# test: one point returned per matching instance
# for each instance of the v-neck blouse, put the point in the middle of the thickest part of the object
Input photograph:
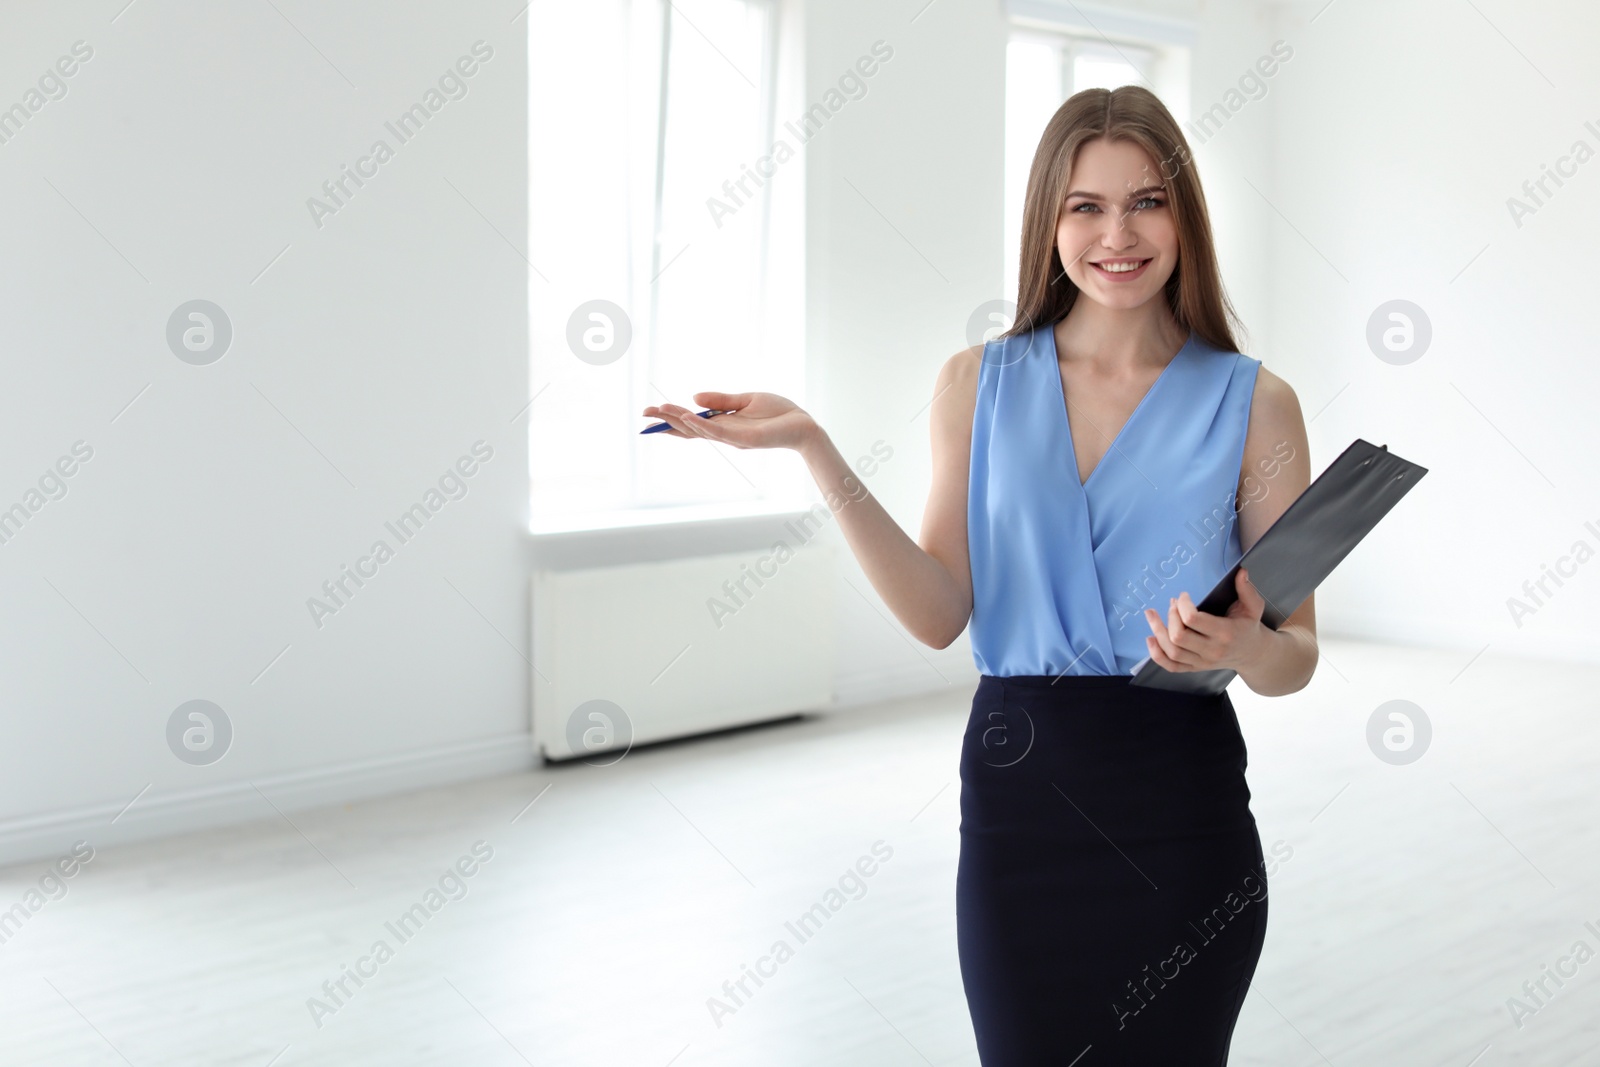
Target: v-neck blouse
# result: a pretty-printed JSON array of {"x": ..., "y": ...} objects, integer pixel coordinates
[{"x": 1061, "y": 570}]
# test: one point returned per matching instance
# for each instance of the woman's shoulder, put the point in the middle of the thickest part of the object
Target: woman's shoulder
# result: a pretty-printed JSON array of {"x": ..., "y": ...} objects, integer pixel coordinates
[
  {"x": 962, "y": 368},
  {"x": 1274, "y": 395},
  {"x": 955, "y": 392},
  {"x": 1245, "y": 372},
  {"x": 1275, "y": 413},
  {"x": 1220, "y": 352},
  {"x": 1270, "y": 395}
]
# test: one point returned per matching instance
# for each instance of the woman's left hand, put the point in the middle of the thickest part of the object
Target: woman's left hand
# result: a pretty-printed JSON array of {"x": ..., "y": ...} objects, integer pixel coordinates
[{"x": 1194, "y": 640}]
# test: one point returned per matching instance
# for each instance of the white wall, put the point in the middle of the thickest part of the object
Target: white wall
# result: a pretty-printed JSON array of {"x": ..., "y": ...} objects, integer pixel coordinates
[
  {"x": 1400, "y": 131},
  {"x": 370, "y": 356}
]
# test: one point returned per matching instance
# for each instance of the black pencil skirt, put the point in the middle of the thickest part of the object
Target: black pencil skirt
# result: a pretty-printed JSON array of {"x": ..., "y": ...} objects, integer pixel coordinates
[{"x": 1111, "y": 895}]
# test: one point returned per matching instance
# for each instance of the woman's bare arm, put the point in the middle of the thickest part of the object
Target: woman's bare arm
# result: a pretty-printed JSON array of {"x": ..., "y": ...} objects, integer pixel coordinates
[
  {"x": 928, "y": 585},
  {"x": 1276, "y": 470}
]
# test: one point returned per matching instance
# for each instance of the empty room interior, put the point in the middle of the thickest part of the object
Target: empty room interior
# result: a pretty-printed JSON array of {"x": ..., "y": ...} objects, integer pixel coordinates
[{"x": 532, "y": 533}]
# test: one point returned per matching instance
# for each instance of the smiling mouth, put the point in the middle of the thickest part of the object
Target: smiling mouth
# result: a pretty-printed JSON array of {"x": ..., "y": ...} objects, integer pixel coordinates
[{"x": 1121, "y": 269}]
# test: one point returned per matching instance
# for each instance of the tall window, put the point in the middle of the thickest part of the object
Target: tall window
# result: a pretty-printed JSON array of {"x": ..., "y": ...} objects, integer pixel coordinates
[
  {"x": 1043, "y": 68},
  {"x": 663, "y": 223}
]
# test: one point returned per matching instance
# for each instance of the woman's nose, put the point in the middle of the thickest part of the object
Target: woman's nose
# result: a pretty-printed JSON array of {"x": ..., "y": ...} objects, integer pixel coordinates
[{"x": 1118, "y": 234}]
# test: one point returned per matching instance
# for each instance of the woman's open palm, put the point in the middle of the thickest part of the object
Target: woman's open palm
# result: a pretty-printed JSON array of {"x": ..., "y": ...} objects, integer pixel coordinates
[{"x": 753, "y": 420}]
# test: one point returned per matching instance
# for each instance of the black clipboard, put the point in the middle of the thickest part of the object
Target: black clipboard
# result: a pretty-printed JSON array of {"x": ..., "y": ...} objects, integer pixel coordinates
[{"x": 1312, "y": 536}]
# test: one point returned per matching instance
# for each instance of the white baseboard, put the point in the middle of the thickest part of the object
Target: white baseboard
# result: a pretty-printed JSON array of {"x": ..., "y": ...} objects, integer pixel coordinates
[
  {"x": 160, "y": 813},
  {"x": 163, "y": 813}
]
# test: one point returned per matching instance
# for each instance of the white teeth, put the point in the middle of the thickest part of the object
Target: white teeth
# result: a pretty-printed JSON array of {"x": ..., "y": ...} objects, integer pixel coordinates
[{"x": 1119, "y": 268}]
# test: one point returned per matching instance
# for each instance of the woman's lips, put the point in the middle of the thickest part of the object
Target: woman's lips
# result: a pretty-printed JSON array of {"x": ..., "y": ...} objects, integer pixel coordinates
[{"x": 1121, "y": 275}]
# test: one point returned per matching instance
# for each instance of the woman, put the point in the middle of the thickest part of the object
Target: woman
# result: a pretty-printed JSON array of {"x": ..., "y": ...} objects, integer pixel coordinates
[{"x": 1111, "y": 449}]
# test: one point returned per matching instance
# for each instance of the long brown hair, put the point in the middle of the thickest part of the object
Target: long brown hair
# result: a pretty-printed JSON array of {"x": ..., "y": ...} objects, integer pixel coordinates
[{"x": 1129, "y": 113}]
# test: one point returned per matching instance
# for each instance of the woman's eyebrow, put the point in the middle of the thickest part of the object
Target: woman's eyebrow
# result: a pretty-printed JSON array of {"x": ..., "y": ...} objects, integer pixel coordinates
[{"x": 1135, "y": 195}]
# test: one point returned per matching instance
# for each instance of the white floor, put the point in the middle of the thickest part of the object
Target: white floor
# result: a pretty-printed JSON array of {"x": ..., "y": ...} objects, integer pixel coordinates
[{"x": 1418, "y": 899}]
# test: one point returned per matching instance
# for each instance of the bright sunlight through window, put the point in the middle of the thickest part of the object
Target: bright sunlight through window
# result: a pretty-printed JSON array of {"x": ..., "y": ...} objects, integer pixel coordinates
[{"x": 658, "y": 108}]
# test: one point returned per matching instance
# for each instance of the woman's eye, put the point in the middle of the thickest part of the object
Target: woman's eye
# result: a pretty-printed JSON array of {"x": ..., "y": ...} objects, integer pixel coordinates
[{"x": 1142, "y": 204}]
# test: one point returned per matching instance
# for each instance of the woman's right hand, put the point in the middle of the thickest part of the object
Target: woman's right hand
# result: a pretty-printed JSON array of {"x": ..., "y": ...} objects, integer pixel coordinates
[
  {"x": 928, "y": 586},
  {"x": 754, "y": 420}
]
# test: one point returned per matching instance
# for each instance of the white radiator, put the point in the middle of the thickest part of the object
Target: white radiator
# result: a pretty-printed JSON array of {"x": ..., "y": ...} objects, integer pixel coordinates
[{"x": 644, "y": 652}]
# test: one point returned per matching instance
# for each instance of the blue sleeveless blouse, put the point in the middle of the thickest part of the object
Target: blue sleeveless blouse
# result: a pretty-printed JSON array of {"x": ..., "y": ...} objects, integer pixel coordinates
[{"x": 1062, "y": 572}]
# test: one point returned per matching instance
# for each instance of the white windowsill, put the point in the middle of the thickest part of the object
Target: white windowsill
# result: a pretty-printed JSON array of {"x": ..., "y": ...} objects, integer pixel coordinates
[
  {"x": 644, "y": 535},
  {"x": 644, "y": 518}
]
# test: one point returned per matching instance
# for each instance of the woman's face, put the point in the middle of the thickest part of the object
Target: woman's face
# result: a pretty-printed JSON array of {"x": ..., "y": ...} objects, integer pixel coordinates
[{"x": 1116, "y": 234}]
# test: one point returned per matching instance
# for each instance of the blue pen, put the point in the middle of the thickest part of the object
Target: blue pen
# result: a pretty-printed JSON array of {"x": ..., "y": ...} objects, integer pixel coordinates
[{"x": 658, "y": 427}]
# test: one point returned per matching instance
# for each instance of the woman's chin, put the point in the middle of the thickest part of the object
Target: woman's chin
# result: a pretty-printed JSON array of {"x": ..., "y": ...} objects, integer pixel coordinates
[{"x": 1123, "y": 299}]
